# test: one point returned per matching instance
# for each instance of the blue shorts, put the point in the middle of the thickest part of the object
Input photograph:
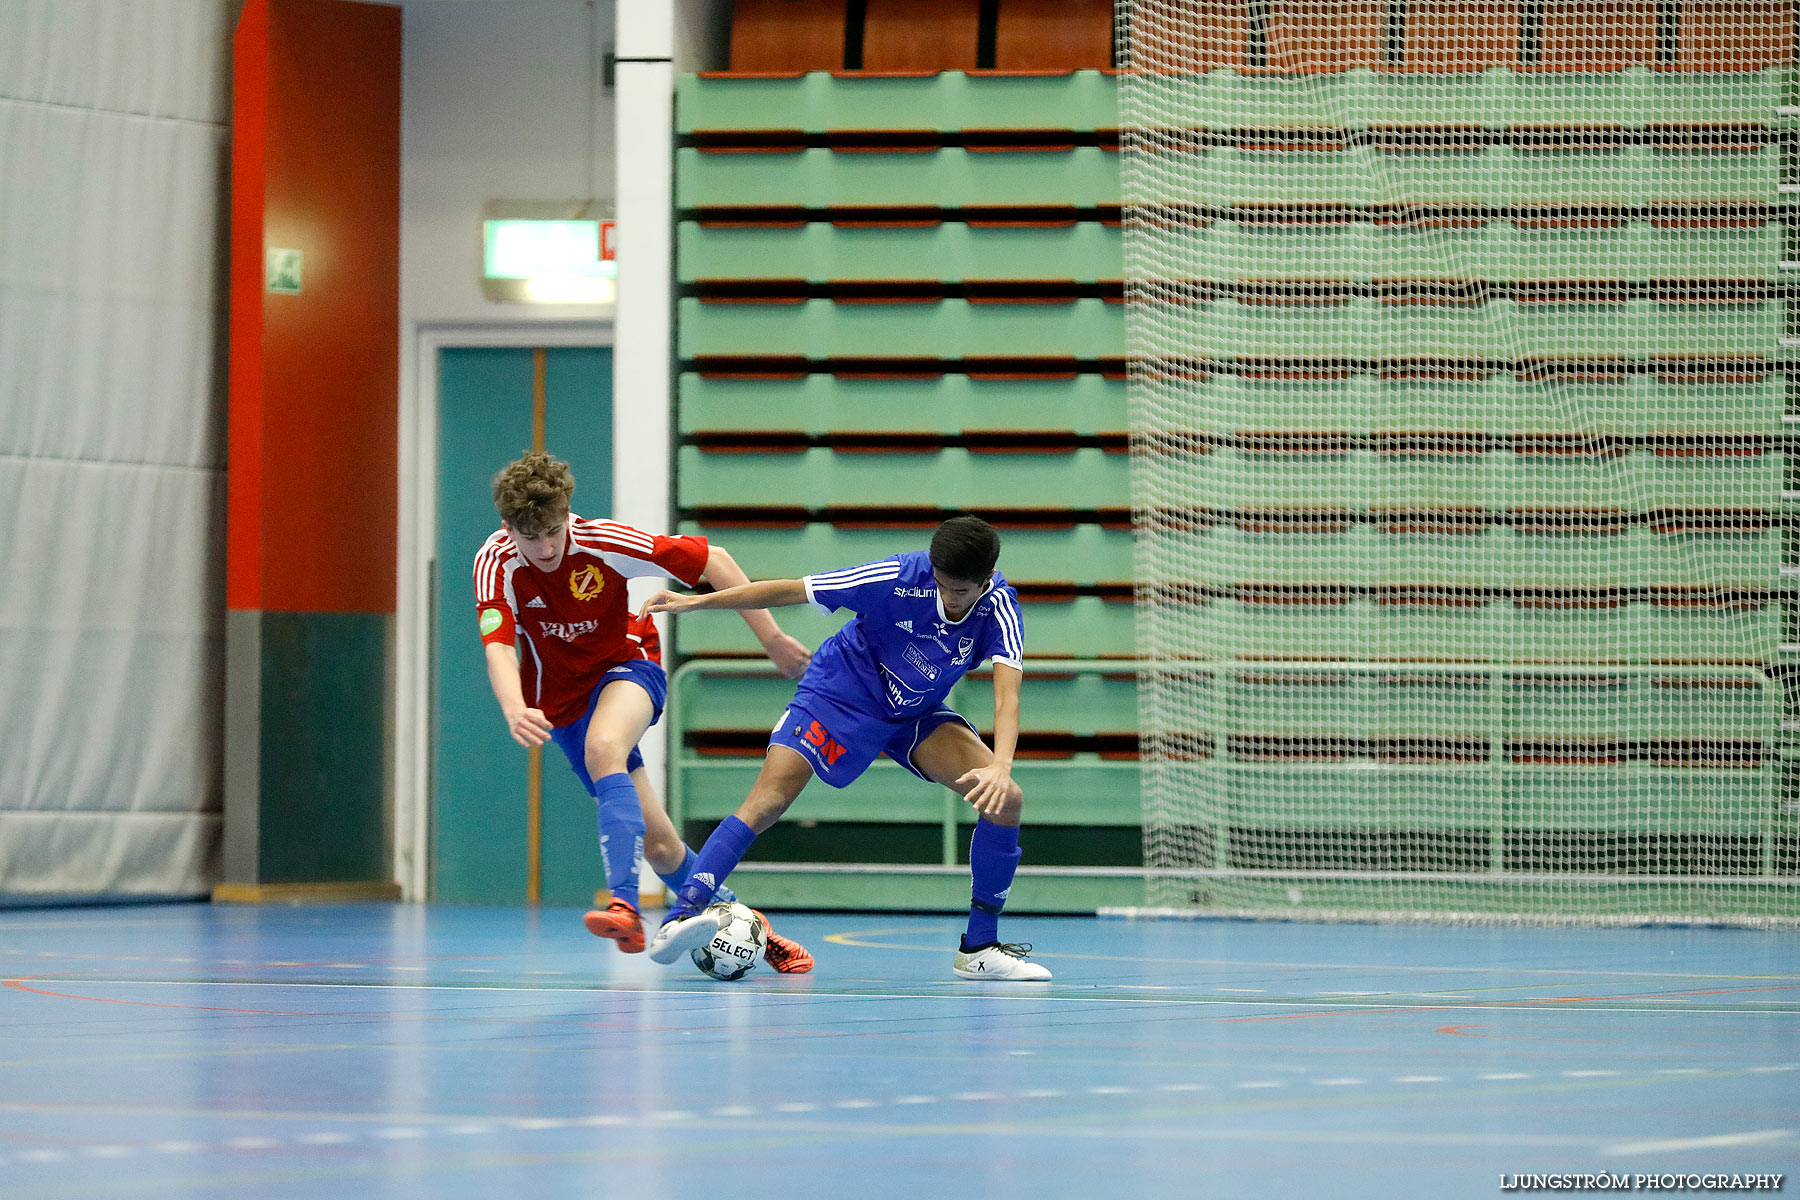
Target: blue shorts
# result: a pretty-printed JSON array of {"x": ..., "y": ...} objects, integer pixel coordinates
[
  {"x": 571, "y": 739},
  {"x": 840, "y": 742}
]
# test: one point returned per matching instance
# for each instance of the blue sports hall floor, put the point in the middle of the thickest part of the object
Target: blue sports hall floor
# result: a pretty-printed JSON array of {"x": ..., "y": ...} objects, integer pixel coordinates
[{"x": 407, "y": 1051}]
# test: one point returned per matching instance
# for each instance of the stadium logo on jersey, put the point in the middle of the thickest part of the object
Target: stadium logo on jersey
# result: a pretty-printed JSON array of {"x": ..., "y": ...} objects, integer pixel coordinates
[
  {"x": 915, "y": 591},
  {"x": 490, "y": 620},
  {"x": 536, "y": 602},
  {"x": 586, "y": 583}
]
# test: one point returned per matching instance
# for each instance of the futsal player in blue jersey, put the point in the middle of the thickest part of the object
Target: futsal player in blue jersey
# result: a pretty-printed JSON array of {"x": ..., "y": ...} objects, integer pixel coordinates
[{"x": 877, "y": 686}]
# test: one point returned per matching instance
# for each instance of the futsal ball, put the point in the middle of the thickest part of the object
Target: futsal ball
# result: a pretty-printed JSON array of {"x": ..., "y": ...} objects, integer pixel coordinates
[{"x": 735, "y": 950}]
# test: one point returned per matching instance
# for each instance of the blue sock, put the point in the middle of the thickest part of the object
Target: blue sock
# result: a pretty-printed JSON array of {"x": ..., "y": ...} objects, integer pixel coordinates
[
  {"x": 717, "y": 859},
  {"x": 674, "y": 879},
  {"x": 621, "y": 834},
  {"x": 993, "y": 857}
]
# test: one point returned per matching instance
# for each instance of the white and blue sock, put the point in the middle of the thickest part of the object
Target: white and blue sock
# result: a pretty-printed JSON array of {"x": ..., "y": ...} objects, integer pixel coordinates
[
  {"x": 717, "y": 859},
  {"x": 674, "y": 879},
  {"x": 993, "y": 859},
  {"x": 621, "y": 834}
]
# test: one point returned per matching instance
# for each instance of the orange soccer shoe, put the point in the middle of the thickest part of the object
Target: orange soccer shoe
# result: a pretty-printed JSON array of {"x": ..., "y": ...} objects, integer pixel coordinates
[
  {"x": 784, "y": 954},
  {"x": 621, "y": 923}
]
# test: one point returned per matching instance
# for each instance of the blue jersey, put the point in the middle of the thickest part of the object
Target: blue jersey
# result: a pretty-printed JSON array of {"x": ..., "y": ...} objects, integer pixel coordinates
[{"x": 900, "y": 656}]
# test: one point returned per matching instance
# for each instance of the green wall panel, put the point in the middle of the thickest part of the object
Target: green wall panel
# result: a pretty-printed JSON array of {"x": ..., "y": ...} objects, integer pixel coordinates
[{"x": 322, "y": 758}]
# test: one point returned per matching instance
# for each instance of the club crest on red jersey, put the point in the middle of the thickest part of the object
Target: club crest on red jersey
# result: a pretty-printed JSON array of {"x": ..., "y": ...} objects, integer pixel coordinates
[{"x": 586, "y": 583}]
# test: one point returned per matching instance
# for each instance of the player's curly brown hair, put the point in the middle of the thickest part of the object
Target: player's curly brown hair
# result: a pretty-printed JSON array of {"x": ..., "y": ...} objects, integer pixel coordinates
[{"x": 532, "y": 493}]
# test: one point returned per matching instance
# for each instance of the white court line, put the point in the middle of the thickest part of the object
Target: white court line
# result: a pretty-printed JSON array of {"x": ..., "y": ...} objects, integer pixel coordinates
[
  {"x": 408, "y": 1133},
  {"x": 960, "y": 995},
  {"x": 1668, "y": 1145}
]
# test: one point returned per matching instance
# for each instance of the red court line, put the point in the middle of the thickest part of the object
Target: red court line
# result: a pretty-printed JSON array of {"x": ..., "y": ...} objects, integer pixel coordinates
[
  {"x": 19, "y": 985},
  {"x": 1510, "y": 1004}
]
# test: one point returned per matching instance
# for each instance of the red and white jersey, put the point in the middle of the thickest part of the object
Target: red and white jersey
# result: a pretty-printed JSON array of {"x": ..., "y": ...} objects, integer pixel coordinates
[{"x": 576, "y": 621}]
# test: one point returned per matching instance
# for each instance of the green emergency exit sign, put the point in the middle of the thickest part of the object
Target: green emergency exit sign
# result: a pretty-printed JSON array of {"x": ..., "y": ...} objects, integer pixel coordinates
[{"x": 284, "y": 270}]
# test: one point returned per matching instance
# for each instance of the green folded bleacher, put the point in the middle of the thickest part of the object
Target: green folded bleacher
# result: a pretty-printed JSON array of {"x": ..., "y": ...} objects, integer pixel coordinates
[
  {"x": 1500, "y": 330},
  {"x": 949, "y": 101},
  {"x": 1234, "y": 477},
  {"x": 1355, "y": 549},
  {"x": 949, "y": 405},
  {"x": 1082, "y": 329},
  {"x": 1493, "y": 176},
  {"x": 1079, "y": 556},
  {"x": 951, "y": 252},
  {"x": 1499, "y": 402},
  {"x": 1081, "y": 177},
  {"x": 1361, "y": 98},
  {"x": 816, "y": 478}
]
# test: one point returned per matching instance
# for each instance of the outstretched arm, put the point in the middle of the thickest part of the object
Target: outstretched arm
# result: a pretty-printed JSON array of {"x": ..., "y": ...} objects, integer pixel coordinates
[
  {"x": 722, "y": 572},
  {"x": 765, "y": 593}
]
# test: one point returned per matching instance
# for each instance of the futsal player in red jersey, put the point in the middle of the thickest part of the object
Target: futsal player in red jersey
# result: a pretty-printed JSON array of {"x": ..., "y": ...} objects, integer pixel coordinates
[{"x": 568, "y": 665}]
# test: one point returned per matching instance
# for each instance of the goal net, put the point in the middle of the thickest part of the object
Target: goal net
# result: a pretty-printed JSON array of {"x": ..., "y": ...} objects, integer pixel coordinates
[{"x": 1458, "y": 427}]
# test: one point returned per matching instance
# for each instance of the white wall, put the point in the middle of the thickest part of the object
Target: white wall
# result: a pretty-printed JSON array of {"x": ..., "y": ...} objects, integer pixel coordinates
[{"x": 501, "y": 100}]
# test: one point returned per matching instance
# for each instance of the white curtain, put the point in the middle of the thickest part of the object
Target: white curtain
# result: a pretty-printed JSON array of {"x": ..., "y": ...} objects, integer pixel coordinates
[{"x": 114, "y": 145}]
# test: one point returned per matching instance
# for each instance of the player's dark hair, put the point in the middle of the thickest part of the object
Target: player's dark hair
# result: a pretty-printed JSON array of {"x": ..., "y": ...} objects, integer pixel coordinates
[
  {"x": 965, "y": 548},
  {"x": 533, "y": 492}
]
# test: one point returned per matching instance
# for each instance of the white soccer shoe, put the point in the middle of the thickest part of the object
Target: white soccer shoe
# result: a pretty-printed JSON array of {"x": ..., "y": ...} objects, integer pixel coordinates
[
  {"x": 675, "y": 938},
  {"x": 1002, "y": 960}
]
